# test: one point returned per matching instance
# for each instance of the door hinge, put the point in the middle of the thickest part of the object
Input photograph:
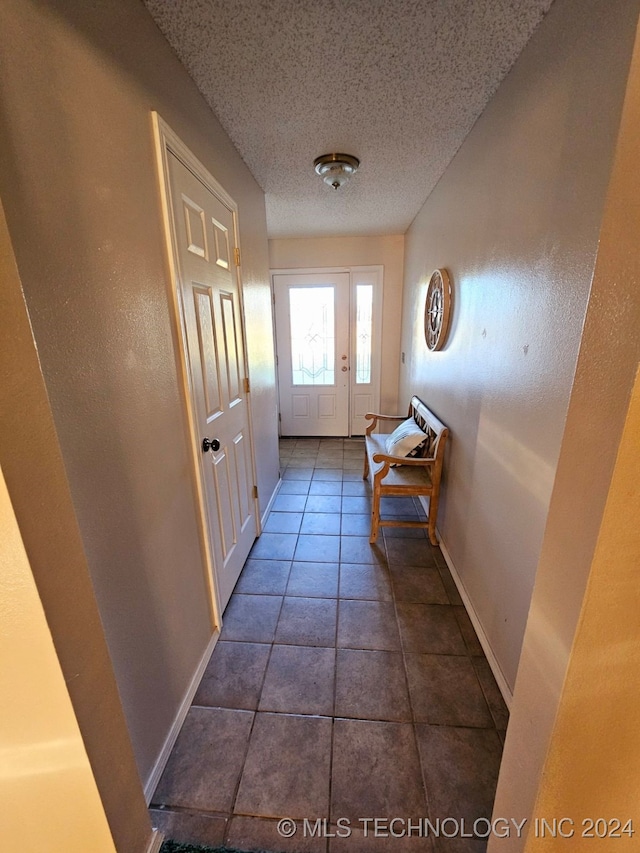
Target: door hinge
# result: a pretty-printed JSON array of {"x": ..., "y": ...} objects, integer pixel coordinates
[
  {"x": 279, "y": 416},
  {"x": 255, "y": 492},
  {"x": 236, "y": 255},
  {"x": 247, "y": 386}
]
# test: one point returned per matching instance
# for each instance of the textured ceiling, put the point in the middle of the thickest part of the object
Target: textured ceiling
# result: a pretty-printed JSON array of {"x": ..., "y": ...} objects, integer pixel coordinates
[{"x": 397, "y": 83}]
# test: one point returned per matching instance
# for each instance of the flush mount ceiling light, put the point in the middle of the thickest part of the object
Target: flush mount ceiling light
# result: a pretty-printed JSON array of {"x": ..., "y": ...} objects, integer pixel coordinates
[{"x": 336, "y": 169}]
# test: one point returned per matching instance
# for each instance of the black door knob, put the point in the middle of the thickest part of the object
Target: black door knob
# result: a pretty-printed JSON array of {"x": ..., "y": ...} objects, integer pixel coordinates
[{"x": 210, "y": 444}]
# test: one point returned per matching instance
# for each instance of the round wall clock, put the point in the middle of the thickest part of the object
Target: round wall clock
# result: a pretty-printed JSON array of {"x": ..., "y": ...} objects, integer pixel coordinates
[{"x": 437, "y": 309}]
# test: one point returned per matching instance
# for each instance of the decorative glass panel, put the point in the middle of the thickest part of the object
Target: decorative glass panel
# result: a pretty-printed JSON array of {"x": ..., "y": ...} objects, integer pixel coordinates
[
  {"x": 312, "y": 335},
  {"x": 364, "y": 329}
]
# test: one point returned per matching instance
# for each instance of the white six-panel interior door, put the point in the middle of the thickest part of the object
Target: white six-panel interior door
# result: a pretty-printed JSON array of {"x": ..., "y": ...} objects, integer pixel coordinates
[
  {"x": 328, "y": 330},
  {"x": 202, "y": 236}
]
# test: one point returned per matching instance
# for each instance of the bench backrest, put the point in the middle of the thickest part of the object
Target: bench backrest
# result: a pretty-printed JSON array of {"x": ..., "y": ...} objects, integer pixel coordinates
[{"x": 435, "y": 429}]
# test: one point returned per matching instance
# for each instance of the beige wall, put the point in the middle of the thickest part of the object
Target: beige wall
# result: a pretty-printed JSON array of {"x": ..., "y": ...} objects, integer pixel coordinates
[
  {"x": 45, "y": 769},
  {"x": 515, "y": 218},
  {"x": 571, "y": 745},
  {"x": 35, "y": 476},
  {"x": 353, "y": 252},
  {"x": 78, "y": 181},
  {"x": 591, "y": 766}
]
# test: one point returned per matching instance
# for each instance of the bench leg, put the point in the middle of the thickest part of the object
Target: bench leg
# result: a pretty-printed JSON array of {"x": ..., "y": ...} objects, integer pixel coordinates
[
  {"x": 433, "y": 516},
  {"x": 375, "y": 518},
  {"x": 366, "y": 465}
]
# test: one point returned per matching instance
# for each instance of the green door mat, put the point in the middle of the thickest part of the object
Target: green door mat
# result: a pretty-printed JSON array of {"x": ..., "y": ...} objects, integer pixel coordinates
[{"x": 177, "y": 847}]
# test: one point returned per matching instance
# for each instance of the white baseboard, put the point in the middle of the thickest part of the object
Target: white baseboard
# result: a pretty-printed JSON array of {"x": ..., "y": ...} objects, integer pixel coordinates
[
  {"x": 156, "y": 841},
  {"x": 174, "y": 731},
  {"x": 501, "y": 681},
  {"x": 270, "y": 504}
]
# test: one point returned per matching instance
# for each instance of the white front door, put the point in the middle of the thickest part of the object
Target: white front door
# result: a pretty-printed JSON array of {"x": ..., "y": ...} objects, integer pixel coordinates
[
  {"x": 328, "y": 340},
  {"x": 204, "y": 237},
  {"x": 312, "y": 323}
]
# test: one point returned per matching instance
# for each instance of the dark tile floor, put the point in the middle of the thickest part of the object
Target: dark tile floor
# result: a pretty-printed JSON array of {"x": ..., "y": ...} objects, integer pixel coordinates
[{"x": 347, "y": 684}]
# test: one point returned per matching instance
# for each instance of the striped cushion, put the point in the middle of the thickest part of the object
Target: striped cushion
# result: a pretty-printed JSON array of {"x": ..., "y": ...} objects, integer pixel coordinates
[{"x": 406, "y": 440}]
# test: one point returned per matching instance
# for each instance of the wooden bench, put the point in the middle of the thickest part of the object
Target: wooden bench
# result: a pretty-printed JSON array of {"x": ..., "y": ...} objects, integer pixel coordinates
[{"x": 405, "y": 476}]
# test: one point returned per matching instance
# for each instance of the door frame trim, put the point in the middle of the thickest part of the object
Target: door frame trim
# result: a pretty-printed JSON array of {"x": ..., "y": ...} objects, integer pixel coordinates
[
  {"x": 165, "y": 141},
  {"x": 376, "y": 359}
]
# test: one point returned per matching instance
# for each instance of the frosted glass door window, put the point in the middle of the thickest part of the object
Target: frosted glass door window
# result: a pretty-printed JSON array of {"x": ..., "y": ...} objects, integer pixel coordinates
[
  {"x": 312, "y": 318},
  {"x": 364, "y": 332}
]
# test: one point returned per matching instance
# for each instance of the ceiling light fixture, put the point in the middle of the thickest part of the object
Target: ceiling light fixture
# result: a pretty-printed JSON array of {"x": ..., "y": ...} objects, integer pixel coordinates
[{"x": 336, "y": 169}]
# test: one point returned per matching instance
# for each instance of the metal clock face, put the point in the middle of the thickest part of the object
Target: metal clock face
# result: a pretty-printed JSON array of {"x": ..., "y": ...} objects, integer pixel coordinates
[{"x": 437, "y": 309}]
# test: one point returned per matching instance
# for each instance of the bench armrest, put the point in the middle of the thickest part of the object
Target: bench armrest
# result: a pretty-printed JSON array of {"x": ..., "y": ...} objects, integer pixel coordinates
[{"x": 374, "y": 418}]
